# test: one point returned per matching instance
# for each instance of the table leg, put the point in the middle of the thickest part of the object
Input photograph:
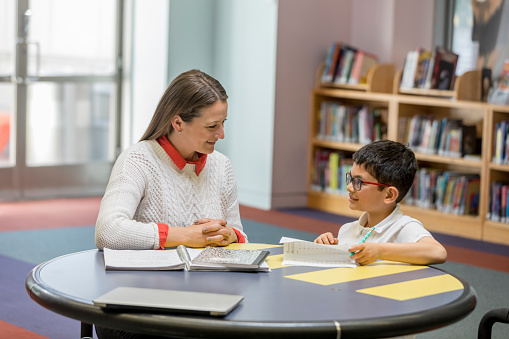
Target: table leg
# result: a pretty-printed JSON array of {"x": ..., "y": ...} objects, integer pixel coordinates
[{"x": 86, "y": 330}]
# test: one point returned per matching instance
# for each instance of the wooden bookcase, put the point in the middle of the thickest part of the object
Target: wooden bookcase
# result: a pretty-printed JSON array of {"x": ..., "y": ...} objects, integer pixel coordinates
[{"x": 382, "y": 90}]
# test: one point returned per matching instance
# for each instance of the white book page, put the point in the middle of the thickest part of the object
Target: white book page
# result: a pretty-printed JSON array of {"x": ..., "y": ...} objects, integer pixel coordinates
[
  {"x": 305, "y": 253},
  {"x": 141, "y": 259}
]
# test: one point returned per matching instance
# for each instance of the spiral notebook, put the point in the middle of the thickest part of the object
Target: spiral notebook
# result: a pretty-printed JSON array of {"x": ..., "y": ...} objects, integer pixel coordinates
[{"x": 170, "y": 301}]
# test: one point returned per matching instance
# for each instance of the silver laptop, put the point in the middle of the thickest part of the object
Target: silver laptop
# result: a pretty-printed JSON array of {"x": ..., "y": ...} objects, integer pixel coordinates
[{"x": 159, "y": 300}]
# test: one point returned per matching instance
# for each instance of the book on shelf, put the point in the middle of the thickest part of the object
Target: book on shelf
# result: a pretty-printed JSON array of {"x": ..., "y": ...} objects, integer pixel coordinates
[
  {"x": 329, "y": 170},
  {"x": 498, "y": 210},
  {"x": 409, "y": 69},
  {"x": 362, "y": 63},
  {"x": 306, "y": 253},
  {"x": 353, "y": 124},
  {"x": 191, "y": 259},
  {"x": 503, "y": 203},
  {"x": 485, "y": 83},
  {"x": 334, "y": 62},
  {"x": 415, "y": 68},
  {"x": 444, "y": 69},
  {"x": 333, "y": 180},
  {"x": 346, "y": 64},
  {"x": 446, "y": 191},
  {"x": 450, "y": 135},
  {"x": 471, "y": 197},
  {"x": 470, "y": 143},
  {"x": 423, "y": 63},
  {"x": 347, "y": 54},
  {"x": 495, "y": 195},
  {"x": 330, "y": 63},
  {"x": 503, "y": 83},
  {"x": 501, "y": 143},
  {"x": 429, "y": 71}
]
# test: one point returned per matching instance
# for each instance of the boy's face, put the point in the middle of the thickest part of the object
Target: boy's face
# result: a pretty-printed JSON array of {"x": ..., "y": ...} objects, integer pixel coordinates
[{"x": 369, "y": 198}]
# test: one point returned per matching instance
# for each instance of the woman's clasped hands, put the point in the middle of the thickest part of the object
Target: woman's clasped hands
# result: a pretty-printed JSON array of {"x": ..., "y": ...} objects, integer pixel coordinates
[{"x": 215, "y": 232}]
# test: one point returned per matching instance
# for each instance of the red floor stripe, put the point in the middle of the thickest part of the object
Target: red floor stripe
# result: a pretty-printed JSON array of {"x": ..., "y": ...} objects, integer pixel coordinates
[
  {"x": 287, "y": 220},
  {"x": 10, "y": 331},
  {"x": 477, "y": 258},
  {"x": 55, "y": 213}
]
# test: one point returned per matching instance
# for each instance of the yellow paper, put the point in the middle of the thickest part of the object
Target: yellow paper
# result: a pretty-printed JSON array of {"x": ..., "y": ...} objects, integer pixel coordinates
[
  {"x": 343, "y": 274},
  {"x": 416, "y": 288}
]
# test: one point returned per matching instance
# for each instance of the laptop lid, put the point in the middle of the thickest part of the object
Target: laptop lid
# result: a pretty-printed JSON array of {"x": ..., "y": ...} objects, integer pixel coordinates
[{"x": 173, "y": 301}]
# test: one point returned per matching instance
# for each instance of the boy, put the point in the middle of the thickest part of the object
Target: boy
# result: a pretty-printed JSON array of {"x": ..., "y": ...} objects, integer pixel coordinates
[{"x": 381, "y": 176}]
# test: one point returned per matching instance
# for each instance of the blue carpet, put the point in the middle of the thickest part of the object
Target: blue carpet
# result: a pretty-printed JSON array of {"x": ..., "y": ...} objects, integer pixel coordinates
[
  {"x": 18, "y": 309},
  {"x": 319, "y": 215},
  {"x": 37, "y": 246},
  {"x": 268, "y": 234}
]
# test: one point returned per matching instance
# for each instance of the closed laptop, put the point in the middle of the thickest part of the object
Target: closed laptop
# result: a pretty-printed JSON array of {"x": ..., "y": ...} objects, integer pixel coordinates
[{"x": 173, "y": 301}]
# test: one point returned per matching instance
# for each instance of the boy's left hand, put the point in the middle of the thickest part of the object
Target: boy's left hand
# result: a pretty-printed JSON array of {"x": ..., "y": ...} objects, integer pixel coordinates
[{"x": 365, "y": 253}]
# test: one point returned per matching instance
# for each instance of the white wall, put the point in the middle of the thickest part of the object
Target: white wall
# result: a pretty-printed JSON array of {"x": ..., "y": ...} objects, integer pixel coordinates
[
  {"x": 192, "y": 36},
  {"x": 246, "y": 64},
  {"x": 306, "y": 29},
  {"x": 391, "y": 28},
  {"x": 149, "y": 62},
  {"x": 235, "y": 42}
]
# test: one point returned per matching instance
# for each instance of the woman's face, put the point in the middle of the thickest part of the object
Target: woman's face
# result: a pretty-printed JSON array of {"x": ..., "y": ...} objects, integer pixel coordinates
[{"x": 201, "y": 134}]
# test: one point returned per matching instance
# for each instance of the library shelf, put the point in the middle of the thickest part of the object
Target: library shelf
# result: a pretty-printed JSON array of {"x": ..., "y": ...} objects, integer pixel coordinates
[
  {"x": 496, "y": 232},
  {"x": 378, "y": 80},
  {"x": 332, "y": 203},
  {"x": 467, "y": 87},
  {"x": 446, "y": 223},
  {"x": 461, "y": 103}
]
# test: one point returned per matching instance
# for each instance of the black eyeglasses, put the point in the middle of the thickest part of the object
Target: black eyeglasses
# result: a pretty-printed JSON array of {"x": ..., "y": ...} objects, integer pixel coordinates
[{"x": 357, "y": 183}]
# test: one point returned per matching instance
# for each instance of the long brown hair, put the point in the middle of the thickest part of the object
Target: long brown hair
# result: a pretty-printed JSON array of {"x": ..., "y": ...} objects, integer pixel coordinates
[{"x": 186, "y": 95}]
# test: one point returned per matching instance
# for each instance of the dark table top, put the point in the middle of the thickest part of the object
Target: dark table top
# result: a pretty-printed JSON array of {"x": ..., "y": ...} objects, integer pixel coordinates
[{"x": 381, "y": 299}]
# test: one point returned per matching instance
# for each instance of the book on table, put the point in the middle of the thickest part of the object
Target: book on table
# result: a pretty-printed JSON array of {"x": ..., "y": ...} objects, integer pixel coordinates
[
  {"x": 306, "y": 253},
  {"x": 185, "y": 258}
]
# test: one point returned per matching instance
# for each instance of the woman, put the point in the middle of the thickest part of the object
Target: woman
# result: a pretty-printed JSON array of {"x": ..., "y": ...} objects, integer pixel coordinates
[{"x": 172, "y": 188}]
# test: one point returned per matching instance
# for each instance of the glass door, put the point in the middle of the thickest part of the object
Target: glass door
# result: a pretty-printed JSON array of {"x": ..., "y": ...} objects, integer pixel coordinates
[{"x": 60, "y": 75}]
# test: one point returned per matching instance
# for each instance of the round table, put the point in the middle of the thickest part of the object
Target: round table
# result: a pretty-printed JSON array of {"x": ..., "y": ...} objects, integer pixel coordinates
[{"x": 379, "y": 300}]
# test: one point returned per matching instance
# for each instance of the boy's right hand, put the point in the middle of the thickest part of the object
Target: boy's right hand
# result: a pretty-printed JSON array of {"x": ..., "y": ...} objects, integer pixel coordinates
[{"x": 326, "y": 239}]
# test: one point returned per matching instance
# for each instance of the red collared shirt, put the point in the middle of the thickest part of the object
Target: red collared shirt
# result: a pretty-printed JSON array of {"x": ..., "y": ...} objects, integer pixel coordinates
[
  {"x": 181, "y": 163},
  {"x": 178, "y": 159}
]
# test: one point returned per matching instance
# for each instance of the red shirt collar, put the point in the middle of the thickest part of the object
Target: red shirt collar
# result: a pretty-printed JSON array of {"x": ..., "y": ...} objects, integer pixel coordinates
[{"x": 178, "y": 159}]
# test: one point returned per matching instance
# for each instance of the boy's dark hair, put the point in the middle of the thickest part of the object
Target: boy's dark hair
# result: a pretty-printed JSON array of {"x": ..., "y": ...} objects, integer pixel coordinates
[{"x": 390, "y": 163}]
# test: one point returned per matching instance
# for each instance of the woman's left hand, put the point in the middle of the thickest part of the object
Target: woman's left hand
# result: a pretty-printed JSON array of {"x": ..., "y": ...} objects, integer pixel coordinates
[{"x": 217, "y": 232}]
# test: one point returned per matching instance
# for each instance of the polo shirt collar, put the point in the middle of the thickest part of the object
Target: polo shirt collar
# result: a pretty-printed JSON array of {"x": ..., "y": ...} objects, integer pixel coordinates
[
  {"x": 387, "y": 222},
  {"x": 178, "y": 159}
]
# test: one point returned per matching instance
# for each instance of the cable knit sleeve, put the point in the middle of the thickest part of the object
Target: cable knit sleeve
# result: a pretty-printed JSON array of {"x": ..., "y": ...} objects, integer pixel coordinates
[
  {"x": 229, "y": 199},
  {"x": 115, "y": 226}
]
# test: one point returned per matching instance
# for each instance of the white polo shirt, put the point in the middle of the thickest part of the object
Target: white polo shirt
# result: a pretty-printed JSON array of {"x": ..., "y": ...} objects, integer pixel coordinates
[{"x": 396, "y": 228}]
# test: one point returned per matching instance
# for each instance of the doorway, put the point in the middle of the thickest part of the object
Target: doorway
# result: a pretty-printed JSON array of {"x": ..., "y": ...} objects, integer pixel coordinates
[{"x": 60, "y": 81}]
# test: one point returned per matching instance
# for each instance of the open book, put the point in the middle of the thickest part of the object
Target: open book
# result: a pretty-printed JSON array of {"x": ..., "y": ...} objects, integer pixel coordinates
[
  {"x": 191, "y": 259},
  {"x": 306, "y": 253}
]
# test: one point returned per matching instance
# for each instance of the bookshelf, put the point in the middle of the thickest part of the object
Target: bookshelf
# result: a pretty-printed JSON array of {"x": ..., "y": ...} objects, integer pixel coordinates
[
  {"x": 461, "y": 103},
  {"x": 495, "y": 231}
]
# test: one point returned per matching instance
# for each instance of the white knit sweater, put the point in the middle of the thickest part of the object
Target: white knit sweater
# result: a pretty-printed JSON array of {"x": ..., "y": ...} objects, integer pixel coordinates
[{"x": 146, "y": 188}]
